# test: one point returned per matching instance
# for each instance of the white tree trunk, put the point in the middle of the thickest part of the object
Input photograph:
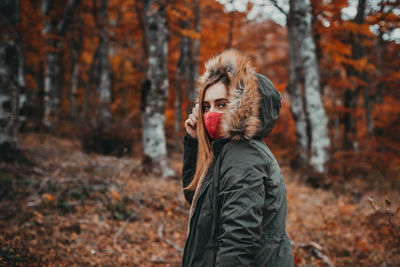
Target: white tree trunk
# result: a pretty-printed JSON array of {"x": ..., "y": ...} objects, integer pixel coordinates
[
  {"x": 154, "y": 142},
  {"x": 314, "y": 109}
]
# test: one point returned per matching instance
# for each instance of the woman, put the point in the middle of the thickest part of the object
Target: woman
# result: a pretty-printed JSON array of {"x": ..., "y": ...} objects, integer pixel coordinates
[{"x": 231, "y": 179}]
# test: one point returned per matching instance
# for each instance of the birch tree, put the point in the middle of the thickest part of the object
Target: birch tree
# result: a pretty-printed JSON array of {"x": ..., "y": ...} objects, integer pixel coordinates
[
  {"x": 156, "y": 89},
  {"x": 11, "y": 78},
  {"x": 304, "y": 87},
  {"x": 318, "y": 121}
]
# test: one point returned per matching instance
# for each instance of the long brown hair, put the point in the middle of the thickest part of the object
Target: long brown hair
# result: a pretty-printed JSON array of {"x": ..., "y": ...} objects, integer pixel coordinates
[{"x": 204, "y": 154}]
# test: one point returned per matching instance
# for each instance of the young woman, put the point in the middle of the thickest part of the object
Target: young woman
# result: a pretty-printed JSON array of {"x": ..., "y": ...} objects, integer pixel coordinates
[{"x": 231, "y": 179}]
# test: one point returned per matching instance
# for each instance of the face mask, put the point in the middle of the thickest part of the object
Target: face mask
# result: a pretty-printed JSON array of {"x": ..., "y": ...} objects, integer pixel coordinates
[{"x": 212, "y": 121}]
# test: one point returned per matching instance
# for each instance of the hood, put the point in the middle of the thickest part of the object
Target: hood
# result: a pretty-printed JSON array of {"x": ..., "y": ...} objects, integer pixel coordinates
[{"x": 254, "y": 103}]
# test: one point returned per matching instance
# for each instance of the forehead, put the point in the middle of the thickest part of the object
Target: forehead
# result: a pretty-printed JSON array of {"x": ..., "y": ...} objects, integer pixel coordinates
[{"x": 215, "y": 91}]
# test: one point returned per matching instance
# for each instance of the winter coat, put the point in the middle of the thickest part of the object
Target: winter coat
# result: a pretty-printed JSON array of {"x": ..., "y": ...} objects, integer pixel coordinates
[{"x": 239, "y": 214}]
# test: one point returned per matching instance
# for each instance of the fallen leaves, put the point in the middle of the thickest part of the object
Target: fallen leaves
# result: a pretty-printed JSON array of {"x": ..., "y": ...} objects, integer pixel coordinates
[{"x": 91, "y": 212}]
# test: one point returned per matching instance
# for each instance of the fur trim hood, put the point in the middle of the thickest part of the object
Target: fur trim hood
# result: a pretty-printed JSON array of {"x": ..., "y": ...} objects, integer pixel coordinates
[{"x": 254, "y": 103}]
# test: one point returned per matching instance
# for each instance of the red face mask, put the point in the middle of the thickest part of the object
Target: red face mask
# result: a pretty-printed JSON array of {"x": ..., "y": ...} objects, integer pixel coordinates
[{"x": 212, "y": 121}]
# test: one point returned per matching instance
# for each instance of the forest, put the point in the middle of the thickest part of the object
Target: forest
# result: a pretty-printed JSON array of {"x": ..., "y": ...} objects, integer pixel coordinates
[{"x": 93, "y": 99}]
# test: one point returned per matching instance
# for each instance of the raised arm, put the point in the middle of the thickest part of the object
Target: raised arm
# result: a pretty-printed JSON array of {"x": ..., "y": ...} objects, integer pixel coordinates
[{"x": 190, "y": 145}]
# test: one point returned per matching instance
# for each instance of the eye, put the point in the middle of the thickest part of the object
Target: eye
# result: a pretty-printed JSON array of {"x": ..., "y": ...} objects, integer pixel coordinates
[
  {"x": 221, "y": 105},
  {"x": 206, "y": 107}
]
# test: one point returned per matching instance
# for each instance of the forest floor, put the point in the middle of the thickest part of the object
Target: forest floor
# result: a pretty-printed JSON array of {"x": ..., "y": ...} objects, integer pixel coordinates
[{"x": 63, "y": 207}]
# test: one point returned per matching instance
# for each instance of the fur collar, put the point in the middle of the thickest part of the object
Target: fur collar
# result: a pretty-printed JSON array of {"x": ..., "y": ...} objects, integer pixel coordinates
[{"x": 241, "y": 120}]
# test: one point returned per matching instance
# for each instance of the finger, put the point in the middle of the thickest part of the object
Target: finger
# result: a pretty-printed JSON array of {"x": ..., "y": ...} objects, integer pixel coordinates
[
  {"x": 192, "y": 123},
  {"x": 189, "y": 123},
  {"x": 194, "y": 112},
  {"x": 193, "y": 117}
]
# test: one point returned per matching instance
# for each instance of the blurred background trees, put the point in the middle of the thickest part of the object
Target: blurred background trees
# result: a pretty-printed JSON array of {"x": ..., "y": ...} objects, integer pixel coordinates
[
  {"x": 121, "y": 75},
  {"x": 12, "y": 78}
]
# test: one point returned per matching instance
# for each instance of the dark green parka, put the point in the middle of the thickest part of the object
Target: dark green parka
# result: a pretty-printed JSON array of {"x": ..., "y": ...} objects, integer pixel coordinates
[{"x": 239, "y": 216}]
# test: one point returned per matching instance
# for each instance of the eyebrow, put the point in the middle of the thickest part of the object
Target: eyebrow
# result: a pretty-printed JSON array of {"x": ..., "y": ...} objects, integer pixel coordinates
[{"x": 217, "y": 100}]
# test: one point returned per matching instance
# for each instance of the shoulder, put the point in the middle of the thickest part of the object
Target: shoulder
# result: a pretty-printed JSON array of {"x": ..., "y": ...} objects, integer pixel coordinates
[
  {"x": 252, "y": 151},
  {"x": 242, "y": 165},
  {"x": 242, "y": 156}
]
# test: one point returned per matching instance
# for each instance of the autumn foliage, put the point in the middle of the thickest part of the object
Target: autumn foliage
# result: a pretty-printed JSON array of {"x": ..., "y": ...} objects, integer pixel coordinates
[{"x": 122, "y": 218}]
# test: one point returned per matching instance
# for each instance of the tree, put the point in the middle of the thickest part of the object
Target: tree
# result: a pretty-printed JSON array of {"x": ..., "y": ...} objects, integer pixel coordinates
[
  {"x": 11, "y": 78},
  {"x": 52, "y": 74},
  {"x": 304, "y": 87},
  {"x": 75, "y": 44},
  {"x": 191, "y": 92},
  {"x": 187, "y": 19},
  {"x": 183, "y": 75},
  {"x": 155, "y": 89},
  {"x": 103, "y": 85}
]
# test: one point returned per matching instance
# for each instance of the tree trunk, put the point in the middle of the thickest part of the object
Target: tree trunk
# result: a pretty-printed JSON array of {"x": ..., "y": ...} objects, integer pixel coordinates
[
  {"x": 318, "y": 121},
  {"x": 367, "y": 108},
  {"x": 92, "y": 77},
  {"x": 351, "y": 94},
  {"x": 11, "y": 78},
  {"x": 52, "y": 75},
  {"x": 76, "y": 49},
  {"x": 379, "y": 62},
  {"x": 104, "y": 86},
  {"x": 191, "y": 92},
  {"x": 358, "y": 52},
  {"x": 51, "y": 72},
  {"x": 295, "y": 93},
  {"x": 73, "y": 84},
  {"x": 155, "y": 97},
  {"x": 184, "y": 75},
  {"x": 178, "y": 115},
  {"x": 144, "y": 55}
]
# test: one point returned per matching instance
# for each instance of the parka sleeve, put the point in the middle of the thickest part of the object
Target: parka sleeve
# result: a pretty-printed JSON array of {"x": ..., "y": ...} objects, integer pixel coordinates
[
  {"x": 190, "y": 145},
  {"x": 241, "y": 196}
]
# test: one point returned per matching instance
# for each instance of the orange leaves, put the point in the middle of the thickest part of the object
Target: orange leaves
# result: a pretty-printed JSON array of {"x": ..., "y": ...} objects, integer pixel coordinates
[
  {"x": 358, "y": 29},
  {"x": 190, "y": 33},
  {"x": 38, "y": 217},
  {"x": 360, "y": 65},
  {"x": 347, "y": 209},
  {"x": 115, "y": 195},
  {"x": 48, "y": 196},
  {"x": 337, "y": 48}
]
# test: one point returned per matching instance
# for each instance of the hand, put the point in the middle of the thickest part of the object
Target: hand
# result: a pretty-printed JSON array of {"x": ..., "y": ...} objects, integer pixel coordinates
[{"x": 191, "y": 122}]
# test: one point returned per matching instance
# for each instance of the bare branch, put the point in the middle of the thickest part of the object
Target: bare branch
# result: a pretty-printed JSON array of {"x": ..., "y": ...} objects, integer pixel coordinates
[{"x": 279, "y": 7}]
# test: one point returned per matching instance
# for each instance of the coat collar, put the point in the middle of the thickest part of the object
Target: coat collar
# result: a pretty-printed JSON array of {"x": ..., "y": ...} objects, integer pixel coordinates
[{"x": 217, "y": 146}]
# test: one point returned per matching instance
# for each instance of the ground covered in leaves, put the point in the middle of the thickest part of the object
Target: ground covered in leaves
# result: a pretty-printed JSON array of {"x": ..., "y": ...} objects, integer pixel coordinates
[{"x": 62, "y": 207}]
